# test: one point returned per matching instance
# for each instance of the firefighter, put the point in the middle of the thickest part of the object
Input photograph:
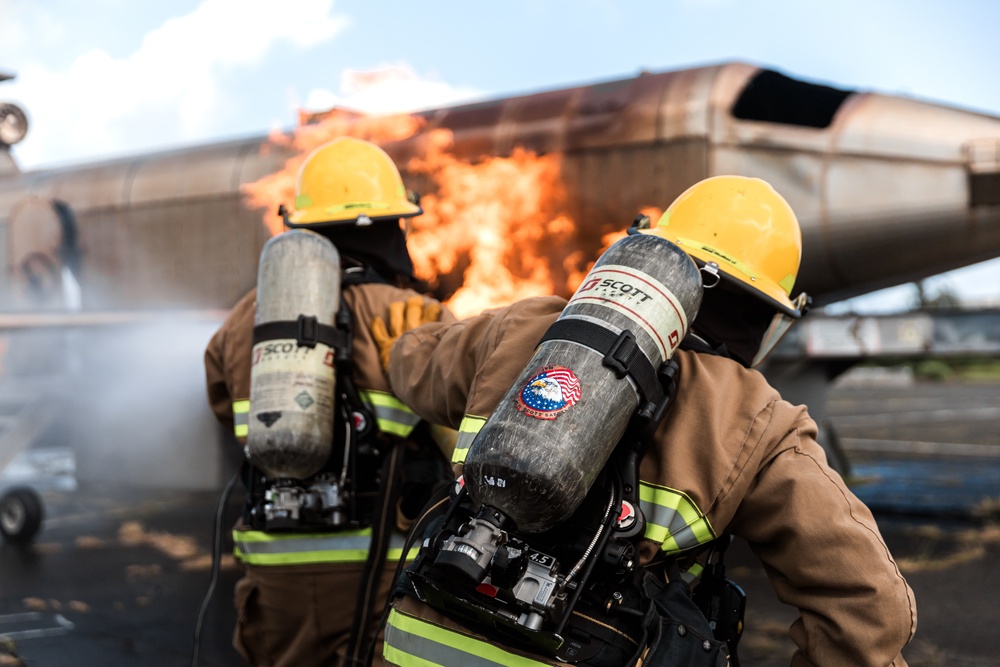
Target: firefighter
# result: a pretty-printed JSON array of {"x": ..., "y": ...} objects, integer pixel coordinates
[
  {"x": 301, "y": 590},
  {"x": 730, "y": 457}
]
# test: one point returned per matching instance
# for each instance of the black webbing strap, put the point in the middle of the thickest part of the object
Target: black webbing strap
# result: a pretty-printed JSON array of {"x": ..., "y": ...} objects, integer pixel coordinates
[
  {"x": 621, "y": 353},
  {"x": 306, "y": 331},
  {"x": 382, "y": 527}
]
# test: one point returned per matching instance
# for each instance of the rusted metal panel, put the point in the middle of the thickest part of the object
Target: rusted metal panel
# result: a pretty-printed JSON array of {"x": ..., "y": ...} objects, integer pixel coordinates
[
  {"x": 885, "y": 126},
  {"x": 199, "y": 254},
  {"x": 202, "y": 172},
  {"x": 890, "y": 190},
  {"x": 96, "y": 187}
]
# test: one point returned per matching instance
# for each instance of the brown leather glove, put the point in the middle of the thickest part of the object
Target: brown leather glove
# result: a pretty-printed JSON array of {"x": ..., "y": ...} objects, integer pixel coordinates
[{"x": 403, "y": 316}]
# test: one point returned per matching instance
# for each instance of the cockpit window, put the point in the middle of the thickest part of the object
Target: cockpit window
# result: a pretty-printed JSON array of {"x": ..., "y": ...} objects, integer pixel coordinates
[{"x": 775, "y": 98}]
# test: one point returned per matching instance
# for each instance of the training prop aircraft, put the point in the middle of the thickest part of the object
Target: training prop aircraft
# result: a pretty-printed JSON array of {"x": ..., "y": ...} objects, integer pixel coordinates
[{"x": 887, "y": 189}]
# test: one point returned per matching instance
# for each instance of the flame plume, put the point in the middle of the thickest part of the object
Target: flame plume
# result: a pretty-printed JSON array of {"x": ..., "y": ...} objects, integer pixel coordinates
[{"x": 494, "y": 230}]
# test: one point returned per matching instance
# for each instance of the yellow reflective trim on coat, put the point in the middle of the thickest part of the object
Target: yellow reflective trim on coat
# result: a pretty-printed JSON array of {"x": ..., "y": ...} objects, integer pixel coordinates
[
  {"x": 413, "y": 641},
  {"x": 241, "y": 418},
  {"x": 689, "y": 575},
  {"x": 467, "y": 432},
  {"x": 673, "y": 519},
  {"x": 393, "y": 416},
  {"x": 350, "y": 546}
]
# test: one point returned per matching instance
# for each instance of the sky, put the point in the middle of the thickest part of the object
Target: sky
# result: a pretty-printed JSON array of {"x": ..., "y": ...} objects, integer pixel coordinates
[{"x": 107, "y": 78}]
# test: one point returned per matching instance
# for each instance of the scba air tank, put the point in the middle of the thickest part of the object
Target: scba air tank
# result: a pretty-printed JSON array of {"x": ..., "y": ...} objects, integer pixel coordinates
[
  {"x": 542, "y": 448},
  {"x": 292, "y": 378}
]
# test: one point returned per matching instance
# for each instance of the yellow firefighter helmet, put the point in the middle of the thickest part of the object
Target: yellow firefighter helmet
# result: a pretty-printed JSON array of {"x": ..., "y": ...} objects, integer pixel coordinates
[
  {"x": 349, "y": 181},
  {"x": 746, "y": 228}
]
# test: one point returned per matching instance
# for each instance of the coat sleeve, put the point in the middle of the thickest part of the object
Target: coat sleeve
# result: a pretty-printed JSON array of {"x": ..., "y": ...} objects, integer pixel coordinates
[
  {"x": 444, "y": 371},
  {"x": 431, "y": 369},
  {"x": 227, "y": 360},
  {"x": 219, "y": 399},
  {"x": 824, "y": 555}
]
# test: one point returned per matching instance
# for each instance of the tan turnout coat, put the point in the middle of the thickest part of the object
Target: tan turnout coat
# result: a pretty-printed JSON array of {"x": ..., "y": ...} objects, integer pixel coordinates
[{"x": 746, "y": 460}]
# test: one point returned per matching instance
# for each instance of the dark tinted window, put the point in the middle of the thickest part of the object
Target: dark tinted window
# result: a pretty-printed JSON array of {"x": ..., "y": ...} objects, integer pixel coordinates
[
  {"x": 984, "y": 189},
  {"x": 775, "y": 98}
]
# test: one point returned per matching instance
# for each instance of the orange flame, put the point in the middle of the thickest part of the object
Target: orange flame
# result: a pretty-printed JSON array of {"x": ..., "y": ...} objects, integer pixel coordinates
[
  {"x": 503, "y": 215},
  {"x": 493, "y": 231}
]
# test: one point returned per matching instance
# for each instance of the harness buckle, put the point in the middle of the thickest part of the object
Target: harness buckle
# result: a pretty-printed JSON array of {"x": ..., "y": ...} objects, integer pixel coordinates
[
  {"x": 619, "y": 357},
  {"x": 308, "y": 332}
]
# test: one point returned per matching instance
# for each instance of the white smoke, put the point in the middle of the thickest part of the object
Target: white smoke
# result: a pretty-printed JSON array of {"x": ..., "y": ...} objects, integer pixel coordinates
[{"x": 393, "y": 88}]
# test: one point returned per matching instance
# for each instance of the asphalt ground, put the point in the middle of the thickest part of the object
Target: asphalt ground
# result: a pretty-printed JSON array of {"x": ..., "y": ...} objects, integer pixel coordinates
[{"x": 118, "y": 576}]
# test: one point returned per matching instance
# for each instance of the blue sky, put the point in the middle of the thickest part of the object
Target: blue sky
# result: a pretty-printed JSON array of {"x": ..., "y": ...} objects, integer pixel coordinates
[{"x": 106, "y": 78}]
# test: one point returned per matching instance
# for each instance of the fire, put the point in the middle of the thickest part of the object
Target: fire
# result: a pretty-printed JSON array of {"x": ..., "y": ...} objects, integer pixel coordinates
[
  {"x": 503, "y": 215},
  {"x": 494, "y": 230}
]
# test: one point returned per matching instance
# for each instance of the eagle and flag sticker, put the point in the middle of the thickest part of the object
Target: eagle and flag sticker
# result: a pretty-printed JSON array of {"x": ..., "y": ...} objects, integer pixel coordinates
[{"x": 549, "y": 391}]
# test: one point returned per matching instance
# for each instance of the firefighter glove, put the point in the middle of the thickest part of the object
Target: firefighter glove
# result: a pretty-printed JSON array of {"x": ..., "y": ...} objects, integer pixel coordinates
[{"x": 403, "y": 316}]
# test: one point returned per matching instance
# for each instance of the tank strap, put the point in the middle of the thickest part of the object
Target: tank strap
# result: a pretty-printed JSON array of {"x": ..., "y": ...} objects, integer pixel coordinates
[
  {"x": 621, "y": 353},
  {"x": 306, "y": 331}
]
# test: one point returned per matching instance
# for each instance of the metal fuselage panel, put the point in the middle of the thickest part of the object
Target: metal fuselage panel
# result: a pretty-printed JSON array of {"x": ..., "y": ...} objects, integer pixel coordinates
[
  {"x": 882, "y": 191},
  {"x": 162, "y": 231}
]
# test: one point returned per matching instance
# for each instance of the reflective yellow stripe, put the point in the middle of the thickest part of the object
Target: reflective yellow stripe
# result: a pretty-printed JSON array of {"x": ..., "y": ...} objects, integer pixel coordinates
[
  {"x": 241, "y": 418},
  {"x": 412, "y": 641},
  {"x": 692, "y": 573},
  {"x": 467, "y": 432},
  {"x": 350, "y": 546},
  {"x": 393, "y": 416},
  {"x": 673, "y": 519}
]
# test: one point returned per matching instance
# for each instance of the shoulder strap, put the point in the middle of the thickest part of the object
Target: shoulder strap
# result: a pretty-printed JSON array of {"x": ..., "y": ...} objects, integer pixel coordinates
[
  {"x": 621, "y": 353},
  {"x": 696, "y": 343}
]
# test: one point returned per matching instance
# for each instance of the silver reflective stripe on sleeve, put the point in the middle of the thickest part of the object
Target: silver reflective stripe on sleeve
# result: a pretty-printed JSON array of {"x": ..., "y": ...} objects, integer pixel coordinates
[
  {"x": 692, "y": 573},
  {"x": 412, "y": 641},
  {"x": 673, "y": 519},
  {"x": 259, "y": 548},
  {"x": 241, "y": 418},
  {"x": 467, "y": 432},
  {"x": 393, "y": 416}
]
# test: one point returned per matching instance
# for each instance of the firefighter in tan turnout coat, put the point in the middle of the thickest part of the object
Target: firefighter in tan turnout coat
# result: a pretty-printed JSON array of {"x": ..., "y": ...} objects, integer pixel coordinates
[
  {"x": 297, "y": 600},
  {"x": 730, "y": 457}
]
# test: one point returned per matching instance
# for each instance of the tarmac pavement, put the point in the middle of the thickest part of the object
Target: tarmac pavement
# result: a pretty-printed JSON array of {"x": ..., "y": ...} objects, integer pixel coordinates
[{"x": 118, "y": 576}]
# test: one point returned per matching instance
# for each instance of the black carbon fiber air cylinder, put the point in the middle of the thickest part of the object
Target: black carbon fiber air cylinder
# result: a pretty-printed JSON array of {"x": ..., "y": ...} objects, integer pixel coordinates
[{"x": 542, "y": 448}]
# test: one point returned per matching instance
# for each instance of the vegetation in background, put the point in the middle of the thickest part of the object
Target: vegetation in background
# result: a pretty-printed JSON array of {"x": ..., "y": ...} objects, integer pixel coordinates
[
  {"x": 945, "y": 369},
  {"x": 969, "y": 369}
]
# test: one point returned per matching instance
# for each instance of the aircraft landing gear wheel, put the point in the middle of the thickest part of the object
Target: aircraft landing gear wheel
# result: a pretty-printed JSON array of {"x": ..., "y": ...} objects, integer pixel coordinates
[{"x": 20, "y": 515}]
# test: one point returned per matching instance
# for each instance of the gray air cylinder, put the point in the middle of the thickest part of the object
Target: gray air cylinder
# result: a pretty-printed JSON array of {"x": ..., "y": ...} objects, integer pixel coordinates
[
  {"x": 542, "y": 448},
  {"x": 290, "y": 430}
]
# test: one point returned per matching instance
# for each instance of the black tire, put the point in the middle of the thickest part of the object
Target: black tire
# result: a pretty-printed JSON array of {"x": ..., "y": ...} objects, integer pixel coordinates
[{"x": 20, "y": 515}]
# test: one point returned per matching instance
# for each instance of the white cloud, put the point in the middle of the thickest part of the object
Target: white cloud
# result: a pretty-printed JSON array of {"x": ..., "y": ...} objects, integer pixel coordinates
[
  {"x": 391, "y": 88},
  {"x": 166, "y": 91}
]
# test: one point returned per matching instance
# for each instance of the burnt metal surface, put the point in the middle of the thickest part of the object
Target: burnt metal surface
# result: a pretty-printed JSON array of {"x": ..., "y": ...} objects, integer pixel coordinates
[{"x": 884, "y": 174}]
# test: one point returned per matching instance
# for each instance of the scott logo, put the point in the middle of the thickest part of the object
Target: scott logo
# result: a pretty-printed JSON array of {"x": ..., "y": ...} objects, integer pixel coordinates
[
  {"x": 620, "y": 286},
  {"x": 284, "y": 347}
]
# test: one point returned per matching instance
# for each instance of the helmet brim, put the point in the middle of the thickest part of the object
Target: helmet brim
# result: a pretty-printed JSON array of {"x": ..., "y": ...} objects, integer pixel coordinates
[
  {"x": 318, "y": 217},
  {"x": 760, "y": 288}
]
